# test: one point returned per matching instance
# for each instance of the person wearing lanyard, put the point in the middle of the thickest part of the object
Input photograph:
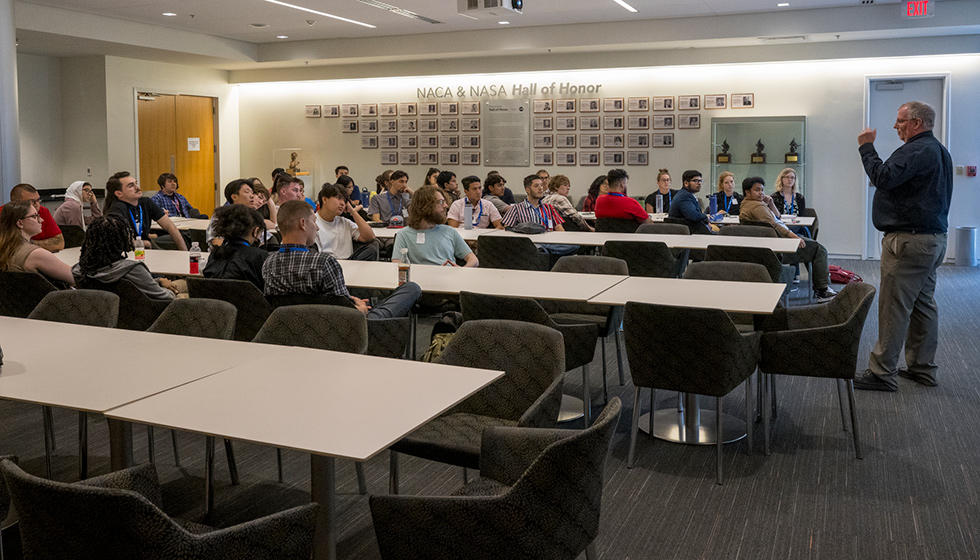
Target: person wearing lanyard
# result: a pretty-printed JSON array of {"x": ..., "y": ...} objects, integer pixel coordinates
[
  {"x": 728, "y": 199},
  {"x": 534, "y": 211},
  {"x": 615, "y": 203},
  {"x": 485, "y": 214},
  {"x": 125, "y": 198},
  {"x": 663, "y": 187},
  {"x": 394, "y": 202},
  {"x": 173, "y": 202}
]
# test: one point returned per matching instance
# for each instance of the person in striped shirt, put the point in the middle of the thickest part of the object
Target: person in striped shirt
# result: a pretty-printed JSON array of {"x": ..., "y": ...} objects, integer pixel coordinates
[{"x": 534, "y": 211}]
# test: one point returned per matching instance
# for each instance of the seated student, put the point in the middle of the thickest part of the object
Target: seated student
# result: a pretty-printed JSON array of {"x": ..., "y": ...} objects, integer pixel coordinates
[
  {"x": 291, "y": 188},
  {"x": 446, "y": 181},
  {"x": 70, "y": 212},
  {"x": 19, "y": 222},
  {"x": 788, "y": 201},
  {"x": 336, "y": 234},
  {"x": 350, "y": 190},
  {"x": 667, "y": 194},
  {"x": 395, "y": 201},
  {"x": 557, "y": 196},
  {"x": 50, "y": 236},
  {"x": 236, "y": 192},
  {"x": 427, "y": 237},
  {"x": 485, "y": 214},
  {"x": 728, "y": 200},
  {"x": 171, "y": 201},
  {"x": 615, "y": 203},
  {"x": 294, "y": 269},
  {"x": 759, "y": 207},
  {"x": 124, "y": 198},
  {"x": 103, "y": 259},
  {"x": 493, "y": 192},
  {"x": 599, "y": 187},
  {"x": 534, "y": 211},
  {"x": 508, "y": 196},
  {"x": 354, "y": 192},
  {"x": 685, "y": 205},
  {"x": 262, "y": 201},
  {"x": 238, "y": 257}
]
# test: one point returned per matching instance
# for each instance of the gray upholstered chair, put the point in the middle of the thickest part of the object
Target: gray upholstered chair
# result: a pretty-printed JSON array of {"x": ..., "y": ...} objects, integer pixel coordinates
[
  {"x": 663, "y": 228},
  {"x": 532, "y": 358},
  {"x": 516, "y": 253},
  {"x": 819, "y": 341},
  {"x": 74, "y": 235},
  {"x": 78, "y": 307},
  {"x": 814, "y": 230},
  {"x": 4, "y": 500},
  {"x": 732, "y": 272},
  {"x": 616, "y": 225},
  {"x": 539, "y": 496},
  {"x": 136, "y": 310},
  {"x": 20, "y": 292},
  {"x": 748, "y": 230},
  {"x": 579, "y": 338},
  {"x": 779, "y": 272},
  {"x": 607, "y": 317},
  {"x": 119, "y": 515},
  {"x": 723, "y": 359},
  {"x": 651, "y": 259},
  {"x": 253, "y": 308}
]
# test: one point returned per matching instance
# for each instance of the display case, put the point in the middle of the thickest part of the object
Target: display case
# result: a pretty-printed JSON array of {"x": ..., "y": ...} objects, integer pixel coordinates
[
  {"x": 784, "y": 141},
  {"x": 298, "y": 163}
]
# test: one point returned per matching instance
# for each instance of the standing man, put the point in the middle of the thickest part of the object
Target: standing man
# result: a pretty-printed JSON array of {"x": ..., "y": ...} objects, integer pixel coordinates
[
  {"x": 485, "y": 214},
  {"x": 170, "y": 200},
  {"x": 125, "y": 198},
  {"x": 50, "y": 237},
  {"x": 911, "y": 206}
]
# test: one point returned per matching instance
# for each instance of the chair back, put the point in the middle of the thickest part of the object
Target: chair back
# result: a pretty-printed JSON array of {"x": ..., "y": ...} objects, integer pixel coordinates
[
  {"x": 745, "y": 229},
  {"x": 531, "y": 356},
  {"x": 664, "y": 229},
  {"x": 721, "y": 361},
  {"x": 585, "y": 264},
  {"x": 850, "y": 312},
  {"x": 253, "y": 308},
  {"x": 644, "y": 258},
  {"x": 732, "y": 272},
  {"x": 20, "y": 292},
  {"x": 74, "y": 235},
  {"x": 759, "y": 255},
  {"x": 694, "y": 228},
  {"x": 388, "y": 338},
  {"x": 616, "y": 225},
  {"x": 136, "y": 310},
  {"x": 326, "y": 327},
  {"x": 815, "y": 228},
  {"x": 79, "y": 307},
  {"x": 199, "y": 317},
  {"x": 516, "y": 253}
]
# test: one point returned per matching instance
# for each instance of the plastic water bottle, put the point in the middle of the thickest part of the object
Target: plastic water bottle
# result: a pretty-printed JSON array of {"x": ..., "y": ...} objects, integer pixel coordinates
[
  {"x": 195, "y": 258},
  {"x": 660, "y": 203},
  {"x": 467, "y": 214},
  {"x": 712, "y": 204},
  {"x": 404, "y": 268},
  {"x": 139, "y": 253}
]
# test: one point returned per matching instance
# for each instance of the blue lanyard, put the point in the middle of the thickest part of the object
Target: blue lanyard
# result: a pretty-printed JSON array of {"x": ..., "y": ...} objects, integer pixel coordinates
[
  {"x": 792, "y": 205},
  {"x": 293, "y": 250},
  {"x": 138, "y": 226},
  {"x": 477, "y": 220},
  {"x": 392, "y": 206},
  {"x": 728, "y": 200}
]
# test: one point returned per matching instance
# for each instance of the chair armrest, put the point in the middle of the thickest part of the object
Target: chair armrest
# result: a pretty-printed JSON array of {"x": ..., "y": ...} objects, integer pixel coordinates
[
  {"x": 816, "y": 352},
  {"x": 794, "y": 318},
  {"x": 286, "y": 535},
  {"x": 580, "y": 341},
  {"x": 543, "y": 412},
  {"x": 141, "y": 479},
  {"x": 505, "y": 453}
]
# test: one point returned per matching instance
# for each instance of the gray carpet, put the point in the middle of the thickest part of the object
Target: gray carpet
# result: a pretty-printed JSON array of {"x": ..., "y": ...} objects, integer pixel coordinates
[{"x": 915, "y": 494}]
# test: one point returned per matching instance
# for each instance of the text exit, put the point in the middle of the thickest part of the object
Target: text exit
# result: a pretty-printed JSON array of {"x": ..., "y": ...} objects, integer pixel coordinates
[{"x": 918, "y": 8}]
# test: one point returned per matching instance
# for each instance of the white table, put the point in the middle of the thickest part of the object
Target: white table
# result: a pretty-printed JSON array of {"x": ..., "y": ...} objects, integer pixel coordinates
[
  {"x": 466, "y": 234},
  {"x": 779, "y": 245},
  {"x": 330, "y": 404},
  {"x": 198, "y": 224},
  {"x": 171, "y": 263},
  {"x": 726, "y": 220}
]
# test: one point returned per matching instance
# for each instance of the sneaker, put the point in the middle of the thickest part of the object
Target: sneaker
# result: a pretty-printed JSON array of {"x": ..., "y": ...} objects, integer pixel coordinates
[
  {"x": 871, "y": 382},
  {"x": 920, "y": 378},
  {"x": 797, "y": 279},
  {"x": 825, "y": 295}
]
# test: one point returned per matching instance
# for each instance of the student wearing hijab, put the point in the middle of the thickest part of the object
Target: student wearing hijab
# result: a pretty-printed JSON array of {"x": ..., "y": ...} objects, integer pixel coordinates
[{"x": 70, "y": 211}]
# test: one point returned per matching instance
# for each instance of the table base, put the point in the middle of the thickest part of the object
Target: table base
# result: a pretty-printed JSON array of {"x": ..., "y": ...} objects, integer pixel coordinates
[
  {"x": 571, "y": 409},
  {"x": 668, "y": 424}
]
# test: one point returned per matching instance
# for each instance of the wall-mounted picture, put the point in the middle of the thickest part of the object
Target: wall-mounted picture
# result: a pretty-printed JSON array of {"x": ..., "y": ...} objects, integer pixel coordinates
[
  {"x": 612, "y": 141},
  {"x": 743, "y": 100},
  {"x": 565, "y": 106},
  {"x": 612, "y": 123},
  {"x": 448, "y": 125},
  {"x": 639, "y": 103},
  {"x": 543, "y": 123},
  {"x": 389, "y": 158},
  {"x": 688, "y": 102},
  {"x": 388, "y": 109},
  {"x": 449, "y": 108},
  {"x": 565, "y": 140},
  {"x": 612, "y": 104},
  {"x": 369, "y": 109},
  {"x": 663, "y": 103},
  {"x": 663, "y": 122},
  {"x": 543, "y": 158},
  {"x": 388, "y": 141},
  {"x": 637, "y": 158},
  {"x": 408, "y": 142},
  {"x": 369, "y": 126},
  {"x": 429, "y": 125},
  {"x": 565, "y": 123},
  {"x": 429, "y": 158},
  {"x": 470, "y": 158},
  {"x": 408, "y": 158},
  {"x": 472, "y": 125},
  {"x": 428, "y": 108},
  {"x": 470, "y": 140},
  {"x": 588, "y": 158},
  {"x": 565, "y": 158},
  {"x": 638, "y": 122},
  {"x": 543, "y": 106},
  {"x": 717, "y": 101},
  {"x": 588, "y": 140},
  {"x": 448, "y": 141},
  {"x": 429, "y": 141},
  {"x": 350, "y": 126},
  {"x": 369, "y": 142},
  {"x": 469, "y": 108},
  {"x": 388, "y": 125},
  {"x": 543, "y": 141},
  {"x": 313, "y": 111},
  {"x": 407, "y": 109},
  {"x": 348, "y": 109},
  {"x": 448, "y": 158},
  {"x": 407, "y": 125},
  {"x": 331, "y": 111},
  {"x": 588, "y": 123},
  {"x": 663, "y": 140},
  {"x": 588, "y": 105},
  {"x": 613, "y": 158},
  {"x": 638, "y": 140},
  {"x": 688, "y": 121}
]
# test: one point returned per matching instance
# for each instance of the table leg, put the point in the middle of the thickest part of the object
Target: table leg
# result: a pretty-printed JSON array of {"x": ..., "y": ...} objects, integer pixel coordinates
[
  {"x": 323, "y": 487},
  {"x": 691, "y": 425},
  {"x": 120, "y": 444}
]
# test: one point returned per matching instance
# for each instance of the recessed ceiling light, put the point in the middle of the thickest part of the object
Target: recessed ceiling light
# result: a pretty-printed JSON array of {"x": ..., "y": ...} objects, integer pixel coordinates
[
  {"x": 282, "y": 36},
  {"x": 259, "y": 25},
  {"x": 319, "y": 13},
  {"x": 504, "y": 22},
  {"x": 169, "y": 14},
  {"x": 783, "y": 4},
  {"x": 396, "y": 10},
  {"x": 625, "y": 5}
]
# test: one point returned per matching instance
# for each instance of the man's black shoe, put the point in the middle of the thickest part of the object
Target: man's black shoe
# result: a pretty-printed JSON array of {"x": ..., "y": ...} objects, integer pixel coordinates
[
  {"x": 871, "y": 382},
  {"x": 920, "y": 378}
]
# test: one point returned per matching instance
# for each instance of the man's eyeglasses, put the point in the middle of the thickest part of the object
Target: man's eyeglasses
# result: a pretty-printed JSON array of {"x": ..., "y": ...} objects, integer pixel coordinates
[{"x": 696, "y": 181}]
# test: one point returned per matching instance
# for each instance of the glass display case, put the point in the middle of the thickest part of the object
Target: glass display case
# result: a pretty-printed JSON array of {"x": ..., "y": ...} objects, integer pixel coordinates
[
  {"x": 735, "y": 147},
  {"x": 298, "y": 163}
]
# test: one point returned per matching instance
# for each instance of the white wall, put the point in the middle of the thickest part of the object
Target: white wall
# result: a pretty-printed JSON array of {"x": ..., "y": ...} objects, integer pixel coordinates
[
  {"x": 84, "y": 139},
  {"x": 39, "y": 93}
]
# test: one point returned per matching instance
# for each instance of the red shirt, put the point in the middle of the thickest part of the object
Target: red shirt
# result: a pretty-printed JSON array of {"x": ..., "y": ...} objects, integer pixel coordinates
[
  {"x": 49, "y": 229},
  {"x": 618, "y": 205}
]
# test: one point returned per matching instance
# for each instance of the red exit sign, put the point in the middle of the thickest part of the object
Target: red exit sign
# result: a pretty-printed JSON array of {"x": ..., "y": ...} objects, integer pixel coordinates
[{"x": 919, "y": 8}]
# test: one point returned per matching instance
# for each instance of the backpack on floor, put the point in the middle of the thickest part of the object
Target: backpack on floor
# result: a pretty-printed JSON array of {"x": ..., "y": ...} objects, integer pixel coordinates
[{"x": 840, "y": 276}]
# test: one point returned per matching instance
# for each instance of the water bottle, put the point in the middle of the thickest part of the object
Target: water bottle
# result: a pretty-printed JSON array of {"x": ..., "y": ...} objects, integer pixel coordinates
[
  {"x": 467, "y": 214},
  {"x": 195, "y": 258},
  {"x": 713, "y": 204},
  {"x": 404, "y": 268},
  {"x": 139, "y": 253},
  {"x": 660, "y": 203}
]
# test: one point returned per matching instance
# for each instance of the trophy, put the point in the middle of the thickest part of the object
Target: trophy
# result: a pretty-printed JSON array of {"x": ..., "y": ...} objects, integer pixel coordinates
[
  {"x": 791, "y": 155},
  {"x": 724, "y": 156},
  {"x": 758, "y": 156}
]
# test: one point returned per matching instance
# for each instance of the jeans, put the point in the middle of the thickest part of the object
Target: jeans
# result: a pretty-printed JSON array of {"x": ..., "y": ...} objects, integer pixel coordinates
[{"x": 398, "y": 304}]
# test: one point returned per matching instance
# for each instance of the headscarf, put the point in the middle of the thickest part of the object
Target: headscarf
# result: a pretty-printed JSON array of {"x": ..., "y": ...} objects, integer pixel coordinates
[{"x": 74, "y": 192}]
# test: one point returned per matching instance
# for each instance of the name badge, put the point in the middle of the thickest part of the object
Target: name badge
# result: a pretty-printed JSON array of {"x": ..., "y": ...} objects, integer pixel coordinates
[{"x": 420, "y": 238}]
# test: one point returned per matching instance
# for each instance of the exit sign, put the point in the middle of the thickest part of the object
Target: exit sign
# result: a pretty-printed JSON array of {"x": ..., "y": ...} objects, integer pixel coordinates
[{"x": 920, "y": 8}]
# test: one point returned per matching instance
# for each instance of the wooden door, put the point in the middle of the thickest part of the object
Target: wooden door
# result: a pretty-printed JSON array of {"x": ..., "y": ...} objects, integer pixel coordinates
[{"x": 156, "y": 117}]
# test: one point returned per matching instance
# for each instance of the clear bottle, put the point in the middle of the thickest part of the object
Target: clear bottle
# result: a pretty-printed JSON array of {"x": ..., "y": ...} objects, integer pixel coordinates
[
  {"x": 195, "y": 258},
  {"x": 404, "y": 268},
  {"x": 660, "y": 203},
  {"x": 467, "y": 214},
  {"x": 139, "y": 253}
]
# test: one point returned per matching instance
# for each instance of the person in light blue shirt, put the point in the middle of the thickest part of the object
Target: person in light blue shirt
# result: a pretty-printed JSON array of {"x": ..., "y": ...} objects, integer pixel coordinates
[{"x": 427, "y": 238}]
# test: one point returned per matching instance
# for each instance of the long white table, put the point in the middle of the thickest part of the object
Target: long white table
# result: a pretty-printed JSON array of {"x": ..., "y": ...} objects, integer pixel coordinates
[
  {"x": 733, "y": 297},
  {"x": 187, "y": 224},
  {"x": 779, "y": 245},
  {"x": 170, "y": 263},
  {"x": 726, "y": 220},
  {"x": 466, "y": 234}
]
